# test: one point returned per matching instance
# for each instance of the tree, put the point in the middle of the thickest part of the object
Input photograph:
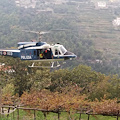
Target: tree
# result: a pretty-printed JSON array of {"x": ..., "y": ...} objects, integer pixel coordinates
[{"x": 19, "y": 75}]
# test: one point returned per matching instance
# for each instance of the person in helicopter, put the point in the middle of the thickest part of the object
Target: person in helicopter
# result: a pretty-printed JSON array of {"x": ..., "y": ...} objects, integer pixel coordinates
[
  {"x": 47, "y": 54},
  {"x": 41, "y": 55}
]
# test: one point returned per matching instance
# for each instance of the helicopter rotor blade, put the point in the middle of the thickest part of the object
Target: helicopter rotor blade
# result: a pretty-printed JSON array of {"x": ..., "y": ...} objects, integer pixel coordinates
[
  {"x": 40, "y": 33},
  {"x": 59, "y": 30},
  {"x": 30, "y": 31},
  {"x": 43, "y": 32}
]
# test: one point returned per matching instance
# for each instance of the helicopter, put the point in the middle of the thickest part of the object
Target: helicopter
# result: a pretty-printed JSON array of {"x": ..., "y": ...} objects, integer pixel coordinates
[{"x": 39, "y": 51}]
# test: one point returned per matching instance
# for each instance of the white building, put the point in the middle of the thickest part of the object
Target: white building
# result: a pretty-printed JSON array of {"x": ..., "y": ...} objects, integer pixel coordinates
[
  {"x": 116, "y": 22},
  {"x": 113, "y": 1},
  {"x": 101, "y": 5},
  {"x": 26, "y": 3}
]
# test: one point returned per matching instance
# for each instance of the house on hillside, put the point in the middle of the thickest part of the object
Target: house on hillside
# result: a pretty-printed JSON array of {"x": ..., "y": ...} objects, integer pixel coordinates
[
  {"x": 113, "y": 1},
  {"x": 116, "y": 22},
  {"x": 47, "y": 10},
  {"x": 101, "y": 5},
  {"x": 6, "y": 69},
  {"x": 26, "y": 3}
]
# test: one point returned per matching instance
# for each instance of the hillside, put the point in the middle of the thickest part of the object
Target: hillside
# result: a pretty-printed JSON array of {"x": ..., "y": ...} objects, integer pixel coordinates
[{"x": 89, "y": 29}]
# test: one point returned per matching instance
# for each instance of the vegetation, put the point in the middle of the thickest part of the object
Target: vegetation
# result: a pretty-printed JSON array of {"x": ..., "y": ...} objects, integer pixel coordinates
[{"x": 76, "y": 87}]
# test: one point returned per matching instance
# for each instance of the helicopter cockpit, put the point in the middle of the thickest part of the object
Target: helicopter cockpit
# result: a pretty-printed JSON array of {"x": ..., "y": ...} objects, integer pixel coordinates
[
  {"x": 63, "y": 50},
  {"x": 58, "y": 50}
]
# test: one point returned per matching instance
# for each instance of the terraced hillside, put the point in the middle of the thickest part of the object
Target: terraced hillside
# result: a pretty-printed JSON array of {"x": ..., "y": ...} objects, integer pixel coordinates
[
  {"x": 91, "y": 33},
  {"x": 96, "y": 25}
]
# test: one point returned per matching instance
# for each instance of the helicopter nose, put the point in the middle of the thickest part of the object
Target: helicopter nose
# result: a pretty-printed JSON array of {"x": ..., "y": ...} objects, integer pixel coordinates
[
  {"x": 75, "y": 56},
  {"x": 70, "y": 55}
]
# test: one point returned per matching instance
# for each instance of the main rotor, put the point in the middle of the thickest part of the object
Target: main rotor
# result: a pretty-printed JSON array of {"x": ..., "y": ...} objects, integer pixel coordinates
[{"x": 41, "y": 33}]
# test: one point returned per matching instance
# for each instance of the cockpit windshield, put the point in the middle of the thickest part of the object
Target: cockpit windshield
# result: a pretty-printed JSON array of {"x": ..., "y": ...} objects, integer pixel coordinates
[{"x": 63, "y": 50}]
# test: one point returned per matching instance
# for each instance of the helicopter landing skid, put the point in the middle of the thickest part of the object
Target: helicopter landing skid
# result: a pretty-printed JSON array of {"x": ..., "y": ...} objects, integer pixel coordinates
[{"x": 52, "y": 65}]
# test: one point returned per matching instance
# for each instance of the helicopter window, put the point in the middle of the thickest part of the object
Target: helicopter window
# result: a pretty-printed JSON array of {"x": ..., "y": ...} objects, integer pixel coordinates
[
  {"x": 34, "y": 52},
  {"x": 23, "y": 53},
  {"x": 63, "y": 50},
  {"x": 57, "y": 52},
  {"x": 28, "y": 52}
]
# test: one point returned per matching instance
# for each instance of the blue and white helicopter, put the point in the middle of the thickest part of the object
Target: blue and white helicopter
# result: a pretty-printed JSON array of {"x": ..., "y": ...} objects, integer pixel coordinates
[{"x": 39, "y": 51}]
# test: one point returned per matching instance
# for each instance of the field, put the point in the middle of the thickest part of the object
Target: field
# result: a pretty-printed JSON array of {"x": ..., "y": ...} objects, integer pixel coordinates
[{"x": 29, "y": 115}]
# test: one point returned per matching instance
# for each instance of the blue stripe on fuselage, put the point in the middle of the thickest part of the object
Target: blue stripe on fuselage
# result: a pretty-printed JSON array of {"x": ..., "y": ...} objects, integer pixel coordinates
[{"x": 64, "y": 56}]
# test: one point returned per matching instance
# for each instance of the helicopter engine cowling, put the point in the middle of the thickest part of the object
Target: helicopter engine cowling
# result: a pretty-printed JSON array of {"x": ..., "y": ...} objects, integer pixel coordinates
[{"x": 46, "y": 46}]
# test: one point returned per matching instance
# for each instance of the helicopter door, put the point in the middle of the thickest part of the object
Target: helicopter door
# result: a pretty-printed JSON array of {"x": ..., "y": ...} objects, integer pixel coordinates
[
  {"x": 44, "y": 54},
  {"x": 34, "y": 54},
  {"x": 40, "y": 54},
  {"x": 57, "y": 52},
  {"x": 47, "y": 53}
]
